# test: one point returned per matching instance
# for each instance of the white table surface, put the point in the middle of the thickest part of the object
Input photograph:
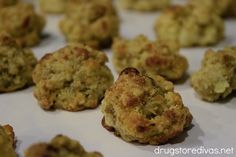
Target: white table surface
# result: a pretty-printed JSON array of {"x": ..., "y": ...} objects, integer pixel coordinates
[{"x": 213, "y": 123}]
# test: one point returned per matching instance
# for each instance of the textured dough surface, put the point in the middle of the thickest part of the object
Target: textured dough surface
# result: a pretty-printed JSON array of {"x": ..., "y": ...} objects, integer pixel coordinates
[
  {"x": 190, "y": 26},
  {"x": 217, "y": 77},
  {"x": 59, "y": 146},
  {"x": 16, "y": 65},
  {"x": 149, "y": 57},
  {"x": 94, "y": 23},
  {"x": 22, "y": 23},
  {"x": 145, "y": 5},
  {"x": 144, "y": 109},
  {"x": 72, "y": 78}
]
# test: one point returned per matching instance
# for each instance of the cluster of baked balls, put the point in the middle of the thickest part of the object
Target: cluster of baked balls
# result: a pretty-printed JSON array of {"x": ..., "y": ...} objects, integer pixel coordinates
[{"x": 141, "y": 105}]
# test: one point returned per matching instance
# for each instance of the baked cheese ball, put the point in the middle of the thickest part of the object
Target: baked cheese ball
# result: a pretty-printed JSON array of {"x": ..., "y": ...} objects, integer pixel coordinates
[
  {"x": 73, "y": 78},
  {"x": 6, "y": 3},
  {"x": 190, "y": 26},
  {"x": 53, "y": 6},
  {"x": 217, "y": 77},
  {"x": 22, "y": 23},
  {"x": 145, "y": 5},
  {"x": 149, "y": 57},
  {"x": 221, "y": 7},
  {"x": 59, "y": 146},
  {"x": 144, "y": 109},
  {"x": 7, "y": 141},
  {"x": 92, "y": 22},
  {"x": 16, "y": 65}
]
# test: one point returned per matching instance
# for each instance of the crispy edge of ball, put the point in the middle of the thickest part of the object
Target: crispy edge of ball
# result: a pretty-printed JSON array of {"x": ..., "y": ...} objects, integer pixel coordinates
[{"x": 8, "y": 134}]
